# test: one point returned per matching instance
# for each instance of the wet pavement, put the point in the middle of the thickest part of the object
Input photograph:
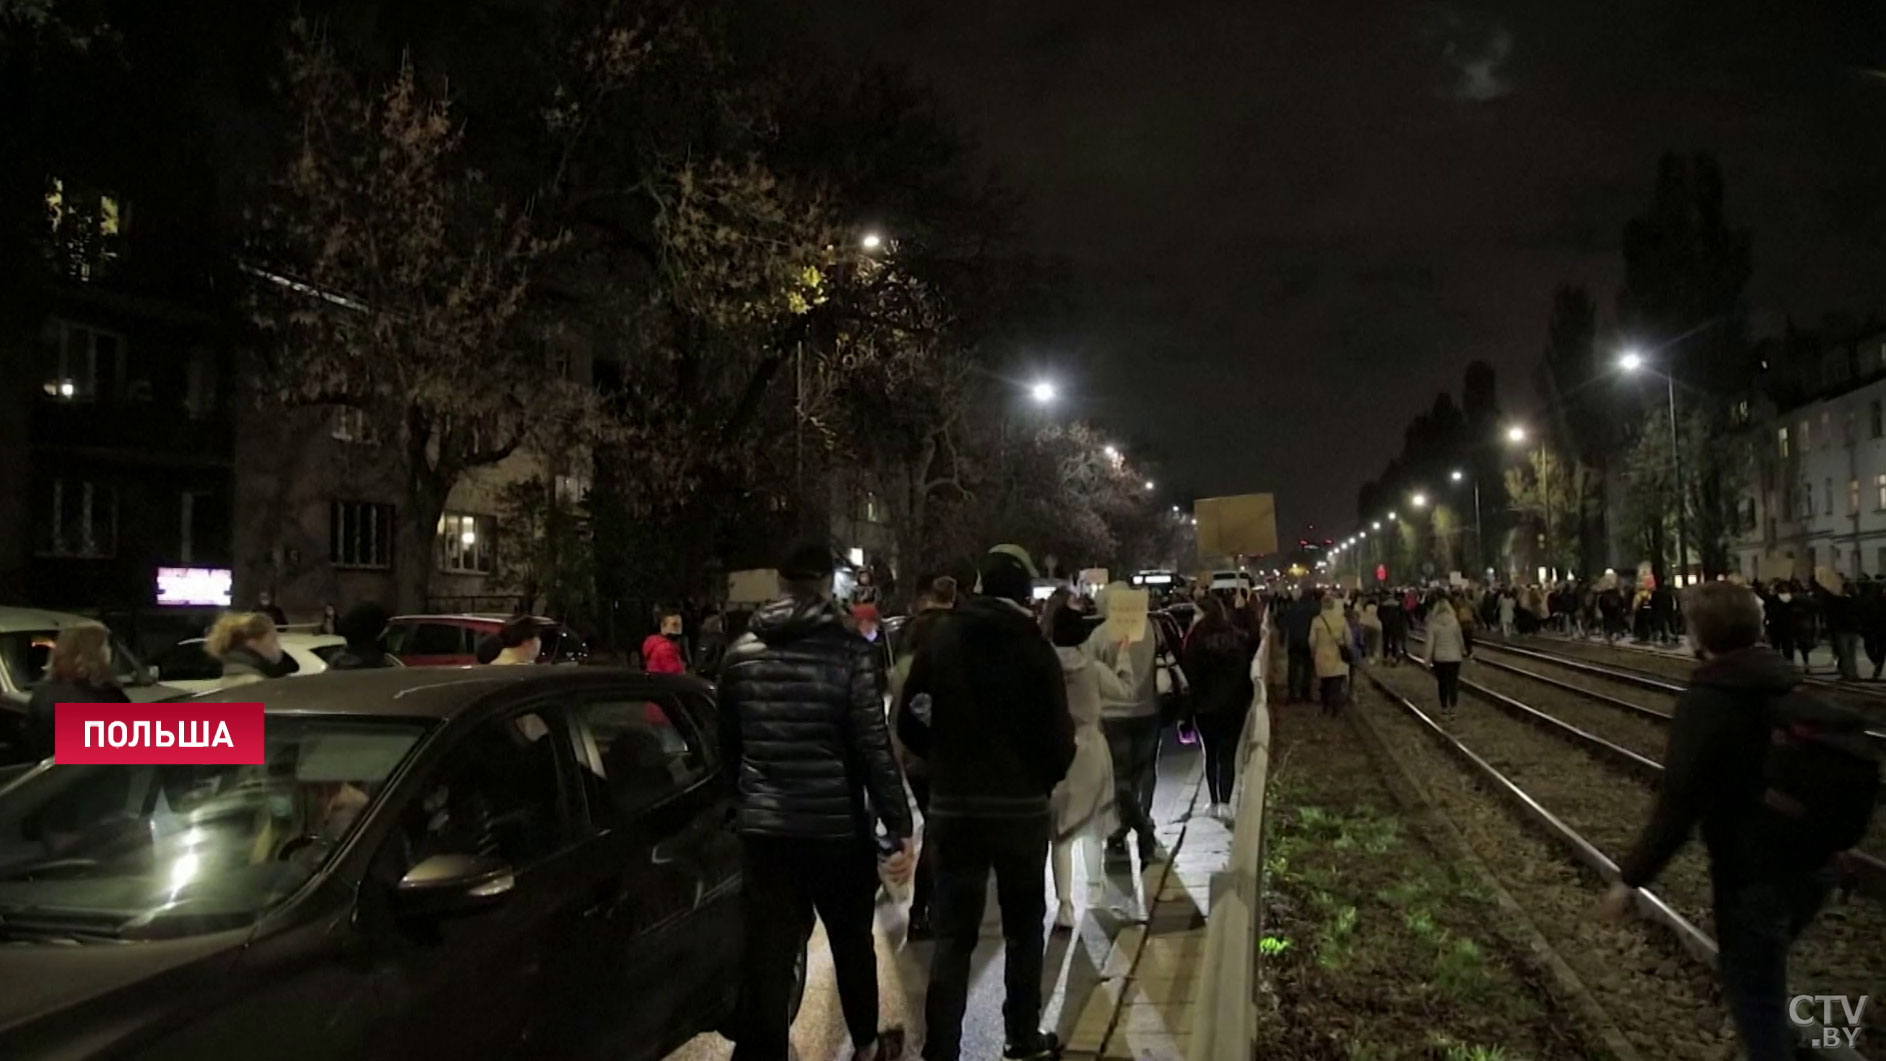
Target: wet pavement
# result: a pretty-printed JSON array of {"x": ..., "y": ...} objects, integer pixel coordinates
[{"x": 1083, "y": 973}]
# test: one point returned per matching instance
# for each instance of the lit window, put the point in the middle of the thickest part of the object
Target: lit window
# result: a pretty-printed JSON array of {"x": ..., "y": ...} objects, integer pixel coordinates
[
  {"x": 85, "y": 228},
  {"x": 1782, "y": 436},
  {"x": 82, "y": 362},
  {"x": 351, "y": 425},
  {"x": 1807, "y": 443},
  {"x": 1879, "y": 484},
  {"x": 467, "y": 543},
  {"x": 572, "y": 490},
  {"x": 360, "y": 534},
  {"x": 1853, "y": 497}
]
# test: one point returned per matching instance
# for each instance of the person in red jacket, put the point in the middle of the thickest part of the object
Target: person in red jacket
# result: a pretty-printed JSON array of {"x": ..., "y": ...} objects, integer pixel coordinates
[{"x": 661, "y": 653}]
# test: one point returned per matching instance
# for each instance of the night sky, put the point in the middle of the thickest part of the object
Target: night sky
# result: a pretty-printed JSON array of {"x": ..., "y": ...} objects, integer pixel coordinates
[{"x": 1293, "y": 222}]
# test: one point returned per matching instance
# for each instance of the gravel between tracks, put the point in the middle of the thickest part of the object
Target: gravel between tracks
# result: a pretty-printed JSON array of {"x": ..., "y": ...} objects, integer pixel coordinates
[
  {"x": 1841, "y": 953},
  {"x": 1666, "y": 1006}
]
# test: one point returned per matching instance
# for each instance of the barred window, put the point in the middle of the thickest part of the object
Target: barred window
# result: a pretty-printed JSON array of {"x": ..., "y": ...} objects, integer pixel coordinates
[
  {"x": 466, "y": 543},
  {"x": 360, "y": 534}
]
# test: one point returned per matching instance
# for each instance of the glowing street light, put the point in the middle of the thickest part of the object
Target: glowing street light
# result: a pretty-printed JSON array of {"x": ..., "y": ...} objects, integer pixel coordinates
[
  {"x": 1456, "y": 475},
  {"x": 1391, "y": 516},
  {"x": 1377, "y": 525},
  {"x": 1420, "y": 500},
  {"x": 1516, "y": 433},
  {"x": 1112, "y": 452},
  {"x": 1630, "y": 360},
  {"x": 871, "y": 241},
  {"x": 1044, "y": 393},
  {"x": 1149, "y": 486}
]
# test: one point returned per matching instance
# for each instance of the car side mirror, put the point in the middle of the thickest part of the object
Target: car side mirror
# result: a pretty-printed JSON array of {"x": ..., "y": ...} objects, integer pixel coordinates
[{"x": 444, "y": 885}]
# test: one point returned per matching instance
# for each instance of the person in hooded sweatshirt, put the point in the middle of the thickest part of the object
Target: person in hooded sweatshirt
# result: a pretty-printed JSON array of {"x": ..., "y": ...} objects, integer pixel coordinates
[
  {"x": 802, "y": 729},
  {"x": 1133, "y": 728},
  {"x": 1082, "y": 803},
  {"x": 79, "y": 672},
  {"x": 364, "y": 627},
  {"x": 661, "y": 651},
  {"x": 999, "y": 740},
  {"x": 249, "y": 647},
  {"x": 1764, "y": 894}
]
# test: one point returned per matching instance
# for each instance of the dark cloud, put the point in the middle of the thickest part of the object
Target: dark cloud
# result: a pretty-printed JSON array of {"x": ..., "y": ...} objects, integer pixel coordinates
[{"x": 1297, "y": 221}]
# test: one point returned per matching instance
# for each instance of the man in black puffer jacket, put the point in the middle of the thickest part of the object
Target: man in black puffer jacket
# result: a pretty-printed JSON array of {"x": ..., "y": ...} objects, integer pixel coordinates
[
  {"x": 803, "y": 730},
  {"x": 997, "y": 737}
]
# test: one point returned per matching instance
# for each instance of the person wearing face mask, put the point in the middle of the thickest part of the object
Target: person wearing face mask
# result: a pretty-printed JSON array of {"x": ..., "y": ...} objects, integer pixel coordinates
[
  {"x": 249, "y": 647},
  {"x": 661, "y": 652}
]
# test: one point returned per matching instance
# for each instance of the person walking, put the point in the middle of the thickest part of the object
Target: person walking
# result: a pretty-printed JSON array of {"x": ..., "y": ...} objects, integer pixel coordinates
[
  {"x": 1804, "y": 620},
  {"x": 1218, "y": 664},
  {"x": 1508, "y": 614},
  {"x": 804, "y": 734},
  {"x": 661, "y": 651},
  {"x": 1447, "y": 646},
  {"x": 1331, "y": 653},
  {"x": 520, "y": 641},
  {"x": 364, "y": 627},
  {"x": 999, "y": 740},
  {"x": 1463, "y": 611},
  {"x": 1394, "y": 618},
  {"x": 1297, "y": 620},
  {"x": 1724, "y": 770},
  {"x": 1082, "y": 804},
  {"x": 1133, "y": 728},
  {"x": 1370, "y": 618},
  {"x": 933, "y": 602},
  {"x": 79, "y": 672},
  {"x": 249, "y": 647}
]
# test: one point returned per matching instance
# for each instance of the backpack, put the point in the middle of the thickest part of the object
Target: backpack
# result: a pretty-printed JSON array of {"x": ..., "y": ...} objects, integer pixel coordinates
[{"x": 1821, "y": 775}]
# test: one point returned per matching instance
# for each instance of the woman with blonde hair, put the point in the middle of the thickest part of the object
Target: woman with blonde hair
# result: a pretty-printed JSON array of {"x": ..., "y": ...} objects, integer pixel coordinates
[
  {"x": 248, "y": 646},
  {"x": 78, "y": 672}
]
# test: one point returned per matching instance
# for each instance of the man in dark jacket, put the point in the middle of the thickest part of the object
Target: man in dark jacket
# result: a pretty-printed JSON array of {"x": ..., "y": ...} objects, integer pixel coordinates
[
  {"x": 364, "y": 627},
  {"x": 986, "y": 708},
  {"x": 1298, "y": 619},
  {"x": 802, "y": 729},
  {"x": 1713, "y": 775}
]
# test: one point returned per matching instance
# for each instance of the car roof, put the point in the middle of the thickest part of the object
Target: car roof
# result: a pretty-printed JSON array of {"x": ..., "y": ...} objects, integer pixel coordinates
[
  {"x": 14, "y": 619},
  {"x": 470, "y": 617},
  {"x": 429, "y": 692},
  {"x": 290, "y": 639}
]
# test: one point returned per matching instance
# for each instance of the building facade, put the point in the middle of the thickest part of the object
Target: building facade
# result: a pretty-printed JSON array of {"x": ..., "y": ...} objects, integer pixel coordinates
[{"x": 1818, "y": 495}]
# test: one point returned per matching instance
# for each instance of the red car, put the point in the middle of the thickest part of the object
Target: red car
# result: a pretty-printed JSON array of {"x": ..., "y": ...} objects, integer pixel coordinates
[{"x": 452, "y": 640}]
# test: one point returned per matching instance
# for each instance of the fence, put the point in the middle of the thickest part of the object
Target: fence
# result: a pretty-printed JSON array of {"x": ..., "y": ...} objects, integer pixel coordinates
[{"x": 1224, "y": 1018}]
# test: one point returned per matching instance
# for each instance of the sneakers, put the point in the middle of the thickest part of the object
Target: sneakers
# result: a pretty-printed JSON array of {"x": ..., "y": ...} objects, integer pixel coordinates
[{"x": 1045, "y": 1046}]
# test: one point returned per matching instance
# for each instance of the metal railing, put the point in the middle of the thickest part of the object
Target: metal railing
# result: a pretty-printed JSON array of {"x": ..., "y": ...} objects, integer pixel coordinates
[{"x": 1224, "y": 1016}]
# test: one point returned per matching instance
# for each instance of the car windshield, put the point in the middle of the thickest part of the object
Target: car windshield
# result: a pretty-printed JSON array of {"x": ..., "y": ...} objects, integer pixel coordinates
[
  {"x": 25, "y": 653},
  {"x": 159, "y": 851}
]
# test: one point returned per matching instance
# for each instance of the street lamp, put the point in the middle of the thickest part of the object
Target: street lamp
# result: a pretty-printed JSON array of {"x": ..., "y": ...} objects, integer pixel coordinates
[
  {"x": 1454, "y": 475},
  {"x": 1631, "y": 361},
  {"x": 1377, "y": 525},
  {"x": 1516, "y": 433},
  {"x": 871, "y": 241},
  {"x": 1391, "y": 516},
  {"x": 1043, "y": 393},
  {"x": 1479, "y": 532},
  {"x": 1149, "y": 486},
  {"x": 1112, "y": 452},
  {"x": 1420, "y": 500}
]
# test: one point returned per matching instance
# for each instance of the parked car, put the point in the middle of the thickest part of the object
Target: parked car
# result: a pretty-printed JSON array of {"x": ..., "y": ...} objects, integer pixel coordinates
[
  {"x": 26, "y": 640},
  {"x": 188, "y": 667},
  {"x": 452, "y": 640},
  {"x": 489, "y": 862}
]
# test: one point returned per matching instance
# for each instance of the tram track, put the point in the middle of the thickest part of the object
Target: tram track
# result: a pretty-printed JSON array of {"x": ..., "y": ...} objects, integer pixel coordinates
[{"x": 1519, "y": 750}]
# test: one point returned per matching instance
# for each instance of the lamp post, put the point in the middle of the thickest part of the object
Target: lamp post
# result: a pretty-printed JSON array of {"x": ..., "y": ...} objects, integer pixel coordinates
[
  {"x": 1479, "y": 529},
  {"x": 1632, "y": 361}
]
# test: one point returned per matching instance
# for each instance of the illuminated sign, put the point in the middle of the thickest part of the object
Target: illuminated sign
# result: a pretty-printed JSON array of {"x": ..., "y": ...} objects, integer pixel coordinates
[{"x": 204, "y": 586}]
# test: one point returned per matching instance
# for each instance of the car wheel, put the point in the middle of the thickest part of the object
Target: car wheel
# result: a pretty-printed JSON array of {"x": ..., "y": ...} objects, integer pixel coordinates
[{"x": 798, "y": 984}]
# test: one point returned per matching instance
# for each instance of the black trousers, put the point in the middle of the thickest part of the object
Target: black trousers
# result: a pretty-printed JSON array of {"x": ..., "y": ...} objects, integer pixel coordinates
[
  {"x": 967, "y": 851},
  {"x": 1302, "y": 670},
  {"x": 924, "y": 888},
  {"x": 1334, "y": 696},
  {"x": 1447, "y": 683},
  {"x": 787, "y": 880},
  {"x": 1134, "y": 744},
  {"x": 1220, "y": 732},
  {"x": 1756, "y": 924}
]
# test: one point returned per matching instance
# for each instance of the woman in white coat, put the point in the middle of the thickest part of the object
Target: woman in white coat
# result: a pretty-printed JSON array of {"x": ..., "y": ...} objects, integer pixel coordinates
[{"x": 1082, "y": 804}]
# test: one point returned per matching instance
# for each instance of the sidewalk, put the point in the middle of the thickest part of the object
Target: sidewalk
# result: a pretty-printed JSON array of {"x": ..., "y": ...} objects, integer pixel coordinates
[{"x": 1143, "y": 1004}]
